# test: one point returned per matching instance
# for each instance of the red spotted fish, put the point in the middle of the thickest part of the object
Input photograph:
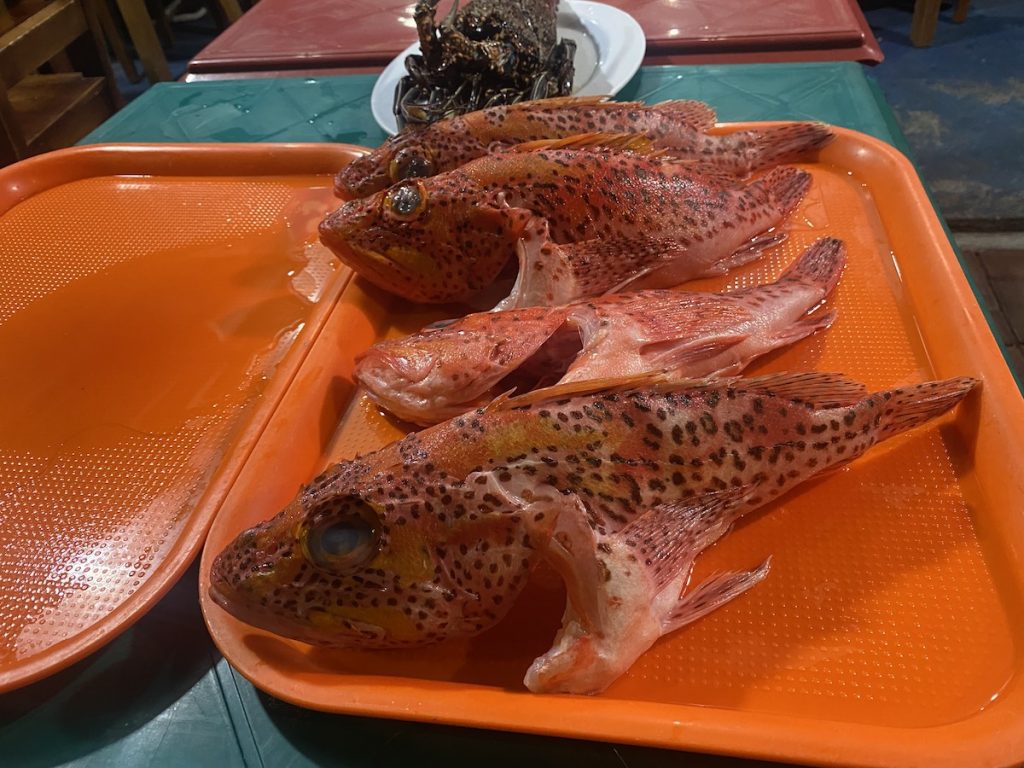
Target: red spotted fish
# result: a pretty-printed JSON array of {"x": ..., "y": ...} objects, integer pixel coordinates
[
  {"x": 449, "y": 368},
  {"x": 581, "y": 222},
  {"x": 679, "y": 127},
  {"x": 619, "y": 484}
]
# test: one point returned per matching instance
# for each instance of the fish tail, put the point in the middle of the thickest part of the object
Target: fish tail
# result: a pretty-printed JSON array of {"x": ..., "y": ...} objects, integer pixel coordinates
[
  {"x": 908, "y": 407},
  {"x": 820, "y": 265},
  {"x": 786, "y": 186},
  {"x": 788, "y": 143}
]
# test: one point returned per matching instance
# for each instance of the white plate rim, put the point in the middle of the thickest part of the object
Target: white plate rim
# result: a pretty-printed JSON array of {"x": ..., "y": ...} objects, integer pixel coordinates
[{"x": 618, "y": 37}]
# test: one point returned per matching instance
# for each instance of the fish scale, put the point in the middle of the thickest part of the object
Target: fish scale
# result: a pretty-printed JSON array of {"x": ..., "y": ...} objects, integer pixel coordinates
[{"x": 618, "y": 484}]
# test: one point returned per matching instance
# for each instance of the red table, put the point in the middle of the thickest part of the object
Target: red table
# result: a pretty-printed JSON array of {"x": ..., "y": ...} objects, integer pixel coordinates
[{"x": 291, "y": 37}]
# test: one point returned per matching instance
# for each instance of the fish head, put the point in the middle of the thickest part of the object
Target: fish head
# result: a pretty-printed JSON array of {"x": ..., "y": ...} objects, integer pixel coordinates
[
  {"x": 453, "y": 366},
  {"x": 432, "y": 240},
  {"x": 405, "y": 156},
  {"x": 351, "y": 567}
]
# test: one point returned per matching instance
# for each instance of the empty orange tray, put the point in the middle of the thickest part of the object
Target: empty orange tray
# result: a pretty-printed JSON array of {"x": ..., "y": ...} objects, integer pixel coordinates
[
  {"x": 155, "y": 304},
  {"x": 891, "y": 628}
]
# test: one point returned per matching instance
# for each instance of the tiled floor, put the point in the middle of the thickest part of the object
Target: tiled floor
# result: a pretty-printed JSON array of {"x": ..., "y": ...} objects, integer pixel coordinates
[
  {"x": 996, "y": 265},
  {"x": 960, "y": 103}
]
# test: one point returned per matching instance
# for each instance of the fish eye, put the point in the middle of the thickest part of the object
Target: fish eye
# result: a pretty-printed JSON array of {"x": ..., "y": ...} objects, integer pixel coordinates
[
  {"x": 406, "y": 202},
  {"x": 339, "y": 541},
  {"x": 410, "y": 162}
]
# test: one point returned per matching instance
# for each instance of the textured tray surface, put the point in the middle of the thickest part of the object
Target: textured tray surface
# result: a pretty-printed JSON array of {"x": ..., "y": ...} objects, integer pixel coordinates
[{"x": 144, "y": 321}]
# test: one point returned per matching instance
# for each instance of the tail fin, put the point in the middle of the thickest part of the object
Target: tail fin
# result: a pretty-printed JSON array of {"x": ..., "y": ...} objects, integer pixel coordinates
[
  {"x": 788, "y": 143},
  {"x": 821, "y": 264},
  {"x": 909, "y": 407},
  {"x": 787, "y": 187}
]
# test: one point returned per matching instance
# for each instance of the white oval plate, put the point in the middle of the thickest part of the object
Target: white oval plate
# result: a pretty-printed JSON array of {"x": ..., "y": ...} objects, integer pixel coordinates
[{"x": 609, "y": 48}]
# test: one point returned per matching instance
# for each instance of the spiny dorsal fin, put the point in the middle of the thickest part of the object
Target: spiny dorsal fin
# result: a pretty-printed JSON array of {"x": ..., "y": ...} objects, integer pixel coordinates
[
  {"x": 568, "y": 101},
  {"x": 696, "y": 114},
  {"x": 632, "y": 142},
  {"x": 820, "y": 390},
  {"x": 649, "y": 379}
]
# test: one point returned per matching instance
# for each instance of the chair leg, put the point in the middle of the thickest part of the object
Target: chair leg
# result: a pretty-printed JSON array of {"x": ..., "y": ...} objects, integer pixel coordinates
[
  {"x": 232, "y": 10},
  {"x": 926, "y": 17},
  {"x": 112, "y": 36},
  {"x": 158, "y": 14},
  {"x": 12, "y": 143},
  {"x": 960, "y": 11},
  {"x": 144, "y": 38}
]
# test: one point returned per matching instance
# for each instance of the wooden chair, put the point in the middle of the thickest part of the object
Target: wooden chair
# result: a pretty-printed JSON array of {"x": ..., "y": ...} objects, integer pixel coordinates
[
  {"x": 55, "y": 79},
  {"x": 926, "y": 17},
  {"x": 143, "y": 30}
]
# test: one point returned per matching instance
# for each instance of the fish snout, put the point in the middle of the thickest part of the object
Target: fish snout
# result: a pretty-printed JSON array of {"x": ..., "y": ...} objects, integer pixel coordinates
[
  {"x": 336, "y": 227},
  {"x": 402, "y": 365}
]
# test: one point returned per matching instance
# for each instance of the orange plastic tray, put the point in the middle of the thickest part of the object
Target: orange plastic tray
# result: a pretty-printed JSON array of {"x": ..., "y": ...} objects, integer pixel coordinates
[
  {"x": 155, "y": 303},
  {"x": 890, "y": 631}
]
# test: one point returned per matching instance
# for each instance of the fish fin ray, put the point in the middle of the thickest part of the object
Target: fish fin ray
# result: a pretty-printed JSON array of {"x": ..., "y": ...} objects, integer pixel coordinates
[
  {"x": 802, "y": 328},
  {"x": 632, "y": 142},
  {"x": 682, "y": 529},
  {"x": 786, "y": 185},
  {"x": 623, "y": 261},
  {"x": 819, "y": 390},
  {"x": 821, "y": 264},
  {"x": 545, "y": 276},
  {"x": 698, "y": 602},
  {"x": 696, "y": 114},
  {"x": 788, "y": 143},
  {"x": 745, "y": 254},
  {"x": 676, "y": 353},
  {"x": 916, "y": 404}
]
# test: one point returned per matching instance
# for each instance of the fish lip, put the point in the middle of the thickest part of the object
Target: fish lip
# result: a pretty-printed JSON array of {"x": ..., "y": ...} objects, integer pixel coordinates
[{"x": 227, "y": 599}]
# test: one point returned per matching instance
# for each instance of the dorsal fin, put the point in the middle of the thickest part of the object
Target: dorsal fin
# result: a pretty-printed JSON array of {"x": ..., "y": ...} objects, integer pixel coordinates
[
  {"x": 650, "y": 379},
  {"x": 820, "y": 390},
  {"x": 569, "y": 101},
  {"x": 696, "y": 114},
  {"x": 632, "y": 142}
]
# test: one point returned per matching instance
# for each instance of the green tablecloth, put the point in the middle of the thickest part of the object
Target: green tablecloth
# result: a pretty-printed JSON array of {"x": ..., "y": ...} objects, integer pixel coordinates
[
  {"x": 338, "y": 108},
  {"x": 161, "y": 695}
]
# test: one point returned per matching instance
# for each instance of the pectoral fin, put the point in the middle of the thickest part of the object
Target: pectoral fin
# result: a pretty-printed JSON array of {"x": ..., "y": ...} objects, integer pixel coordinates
[
  {"x": 709, "y": 595},
  {"x": 625, "y": 588},
  {"x": 677, "y": 353}
]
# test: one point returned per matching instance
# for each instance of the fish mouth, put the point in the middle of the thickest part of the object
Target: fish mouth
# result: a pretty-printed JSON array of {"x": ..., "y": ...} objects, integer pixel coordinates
[{"x": 363, "y": 635}]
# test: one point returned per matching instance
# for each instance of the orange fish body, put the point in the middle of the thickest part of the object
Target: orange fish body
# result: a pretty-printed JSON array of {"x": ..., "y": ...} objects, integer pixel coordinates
[
  {"x": 449, "y": 368},
  {"x": 581, "y": 222},
  {"x": 620, "y": 485},
  {"x": 678, "y": 127}
]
